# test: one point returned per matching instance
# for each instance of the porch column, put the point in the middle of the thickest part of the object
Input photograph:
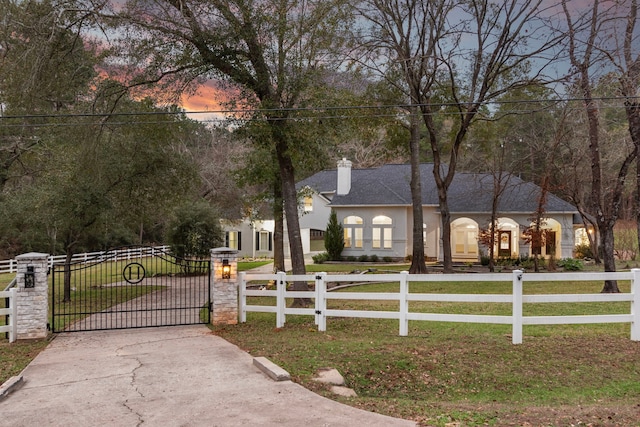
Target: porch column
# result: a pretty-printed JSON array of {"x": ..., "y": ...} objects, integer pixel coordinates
[
  {"x": 32, "y": 302},
  {"x": 224, "y": 288}
]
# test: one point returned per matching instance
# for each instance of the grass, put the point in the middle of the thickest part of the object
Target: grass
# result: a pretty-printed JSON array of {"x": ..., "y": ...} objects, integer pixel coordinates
[
  {"x": 448, "y": 374},
  {"x": 248, "y": 265}
]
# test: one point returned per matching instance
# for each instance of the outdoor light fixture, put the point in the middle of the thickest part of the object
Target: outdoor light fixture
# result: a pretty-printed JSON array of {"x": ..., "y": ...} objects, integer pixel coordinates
[
  {"x": 30, "y": 277},
  {"x": 226, "y": 269}
]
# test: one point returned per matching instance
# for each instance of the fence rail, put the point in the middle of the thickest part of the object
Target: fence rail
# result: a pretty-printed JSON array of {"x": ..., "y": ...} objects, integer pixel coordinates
[
  {"x": 517, "y": 299},
  {"x": 10, "y": 265},
  {"x": 10, "y": 312}
]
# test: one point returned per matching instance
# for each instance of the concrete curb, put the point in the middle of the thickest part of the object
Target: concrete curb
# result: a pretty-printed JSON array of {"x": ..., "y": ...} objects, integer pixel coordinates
[
  {"x": 272, "y": 370},
  {"x": 11, "y": 385}
]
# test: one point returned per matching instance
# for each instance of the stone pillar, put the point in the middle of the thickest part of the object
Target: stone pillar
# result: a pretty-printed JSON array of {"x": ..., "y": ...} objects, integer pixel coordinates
[
  {"x": 224, "y": 291},
  {"x": 32, "y": 302}
]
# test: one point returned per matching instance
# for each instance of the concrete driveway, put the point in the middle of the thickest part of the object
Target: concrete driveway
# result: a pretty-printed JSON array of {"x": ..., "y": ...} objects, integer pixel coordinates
[{"x": 169, "y": 376}]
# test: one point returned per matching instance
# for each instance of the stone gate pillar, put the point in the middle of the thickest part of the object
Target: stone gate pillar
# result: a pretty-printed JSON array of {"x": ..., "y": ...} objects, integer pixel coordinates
[
  {"x": 224, "y": 286},
  {"x": 32, "y": 302}
]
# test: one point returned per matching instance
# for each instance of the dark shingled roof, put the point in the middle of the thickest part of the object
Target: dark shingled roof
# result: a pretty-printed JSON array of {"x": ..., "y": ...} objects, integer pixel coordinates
[{"x": 469, "y": 192}]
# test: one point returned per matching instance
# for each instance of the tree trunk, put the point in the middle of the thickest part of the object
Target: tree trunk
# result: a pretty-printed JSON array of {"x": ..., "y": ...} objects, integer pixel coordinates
[
  {"x": 418, "y": 265},
  {"x": 447, "y": 262},
  {"x": 278, "y": 230},
  {"x": 492, "y": 245},
  {"x": 608, "y": 257},
  {"x": 289, "y": 195}
]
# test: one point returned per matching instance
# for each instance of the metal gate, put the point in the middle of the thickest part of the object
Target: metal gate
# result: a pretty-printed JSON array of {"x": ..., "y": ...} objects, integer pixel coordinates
[{"x": 133, "y": 287}]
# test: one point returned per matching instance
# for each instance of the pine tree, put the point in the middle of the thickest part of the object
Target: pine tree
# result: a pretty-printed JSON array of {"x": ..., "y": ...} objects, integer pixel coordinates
[{"x": 334, "y": 237}]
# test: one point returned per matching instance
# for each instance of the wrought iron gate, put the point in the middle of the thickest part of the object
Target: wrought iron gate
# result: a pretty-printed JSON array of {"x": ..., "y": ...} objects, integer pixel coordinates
[{"x": 133, "y": 287}]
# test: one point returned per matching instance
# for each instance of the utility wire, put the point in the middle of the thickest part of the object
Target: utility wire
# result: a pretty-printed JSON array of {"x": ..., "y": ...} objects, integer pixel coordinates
[{"x": 228, "y": 114}]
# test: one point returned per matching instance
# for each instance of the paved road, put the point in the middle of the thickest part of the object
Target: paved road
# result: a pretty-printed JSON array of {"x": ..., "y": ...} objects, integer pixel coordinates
[{"x": 169, "y": 376}]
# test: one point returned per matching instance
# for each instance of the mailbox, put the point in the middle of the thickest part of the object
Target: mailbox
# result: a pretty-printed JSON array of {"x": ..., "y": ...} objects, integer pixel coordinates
[{"x": 30, "y": 277}]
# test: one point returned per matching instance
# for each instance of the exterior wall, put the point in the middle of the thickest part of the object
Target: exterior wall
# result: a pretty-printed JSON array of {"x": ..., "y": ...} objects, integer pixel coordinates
[
  {"x": 431, "y": 219},
  {"x": 561, "y": 223},
  {"x": 399, "y": 237},
  {"x": 248, "y": 231},
  {"x": 316, "y": 219}
]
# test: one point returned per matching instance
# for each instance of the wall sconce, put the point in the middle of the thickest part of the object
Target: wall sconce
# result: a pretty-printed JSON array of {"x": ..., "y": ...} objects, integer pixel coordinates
[
  {"x": 30, "y": 277},
  {"x": 226, "y": 269}
]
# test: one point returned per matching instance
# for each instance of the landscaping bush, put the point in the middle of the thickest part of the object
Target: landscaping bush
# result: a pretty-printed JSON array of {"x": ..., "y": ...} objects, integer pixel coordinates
[
  {"x": 484, "y": 260},
  {"x": 320, "y": 258},
  {"x": 374, "y": 258},
  {"x": 583, "y": 251},
  {"x": 363, "y": 258},
  {"x": 571, "y": 264}
]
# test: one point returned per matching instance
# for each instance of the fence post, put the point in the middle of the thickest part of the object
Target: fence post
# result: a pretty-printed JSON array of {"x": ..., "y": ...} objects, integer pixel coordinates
[
  {"x": 281, "y": 287},
  {"x": 13, "y": 333},
  {"x": 321, "y": 302},
  {"x": 635, "y": 305},
  {"x": 516, "y": 335},
  {"x": 242, "y": 296},
  {"x": 32, "y": 298},
  {"x": 404, "y": 303},
  {"x": 224, "y": 292}
]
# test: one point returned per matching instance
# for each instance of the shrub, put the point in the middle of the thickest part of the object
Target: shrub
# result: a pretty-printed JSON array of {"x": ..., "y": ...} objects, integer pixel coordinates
[
  {"x": 387, "y": 259},
  {"x": 194, "y": 231},
  {"x": 320, "y": 258},
  {"x": 363, "y": 258},
  {"x": 527, "y": 263},
  {"x": 571, "y": 264},
  {"x": 351, "y": 258},
  {"x": 334, "y": 238},
  {"x": 583, "y": 251},
  {"x": 373, "y": 258}
]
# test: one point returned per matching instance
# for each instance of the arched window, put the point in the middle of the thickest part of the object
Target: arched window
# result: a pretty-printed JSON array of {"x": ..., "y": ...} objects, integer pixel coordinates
[
  {"x": 381, "y": 237},
  {"x": 352, "y": 231}
]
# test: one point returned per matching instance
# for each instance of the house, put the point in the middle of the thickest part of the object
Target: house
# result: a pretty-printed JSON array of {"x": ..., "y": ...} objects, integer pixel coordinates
[
  {"x": 374, "y": 207},
  {"x": 251, "y": 238}
]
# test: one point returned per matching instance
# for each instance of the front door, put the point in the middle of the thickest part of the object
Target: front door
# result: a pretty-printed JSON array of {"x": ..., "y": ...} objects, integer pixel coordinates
[{"x": 504, "y": 245}]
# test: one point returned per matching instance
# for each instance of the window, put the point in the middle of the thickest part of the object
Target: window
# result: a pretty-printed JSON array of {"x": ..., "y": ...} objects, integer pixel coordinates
[
  {"x": 263, "y": 240},
  {"x": 382, "y": 227},
  {"x": 308, "y": 204},
  {"x": 233, "y": 240},
  {"x": 352, "y": 232}
]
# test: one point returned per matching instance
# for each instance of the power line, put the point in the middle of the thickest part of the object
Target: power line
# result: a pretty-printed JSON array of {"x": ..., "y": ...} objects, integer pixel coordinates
[{"x": 231, "y": 114}]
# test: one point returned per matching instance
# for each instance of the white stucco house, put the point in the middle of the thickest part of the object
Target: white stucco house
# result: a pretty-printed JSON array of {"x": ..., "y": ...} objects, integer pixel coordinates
[
  {"x": 251, "y": 238},
  {"x": 374, "y": 207}
]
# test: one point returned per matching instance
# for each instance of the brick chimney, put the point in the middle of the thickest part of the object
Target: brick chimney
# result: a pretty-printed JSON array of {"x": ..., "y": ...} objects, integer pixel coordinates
[{"x": 344, "y": 177}]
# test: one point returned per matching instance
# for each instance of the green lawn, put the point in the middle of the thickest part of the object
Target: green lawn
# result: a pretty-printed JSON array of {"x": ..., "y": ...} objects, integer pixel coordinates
[{"x": 457, "y": 374}]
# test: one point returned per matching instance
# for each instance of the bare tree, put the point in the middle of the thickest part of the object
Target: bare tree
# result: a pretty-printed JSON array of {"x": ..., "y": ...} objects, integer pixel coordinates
[
  {"x": 456, "y": 57},
  {"x": 588, "y": 52}
]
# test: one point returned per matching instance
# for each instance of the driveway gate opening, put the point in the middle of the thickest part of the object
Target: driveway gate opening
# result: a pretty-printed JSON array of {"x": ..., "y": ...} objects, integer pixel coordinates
[{"x": 130, "y": 288}]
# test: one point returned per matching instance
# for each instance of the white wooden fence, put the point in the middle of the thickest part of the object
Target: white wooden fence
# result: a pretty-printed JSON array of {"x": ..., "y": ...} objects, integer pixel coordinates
[
  {"x": 10, "y": 265},
  {"x": 11, "y": 312},
  {"x": 517, "y": 299}
]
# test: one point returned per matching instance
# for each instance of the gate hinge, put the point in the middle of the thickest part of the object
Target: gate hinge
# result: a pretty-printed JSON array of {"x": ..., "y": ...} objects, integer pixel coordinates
[
  {"x": 318, "y": 312},
  {"x": 318, "y": 277}
]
